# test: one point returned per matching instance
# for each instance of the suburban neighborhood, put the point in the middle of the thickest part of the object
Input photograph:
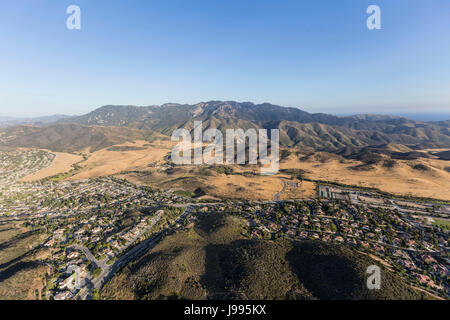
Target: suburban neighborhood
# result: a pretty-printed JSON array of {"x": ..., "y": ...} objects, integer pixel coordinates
[{"x": 93, "y": 227}]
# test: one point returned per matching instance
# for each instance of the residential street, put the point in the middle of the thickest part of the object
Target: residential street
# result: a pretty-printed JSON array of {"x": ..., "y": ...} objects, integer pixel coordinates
[{"x": 130, "y": 255}]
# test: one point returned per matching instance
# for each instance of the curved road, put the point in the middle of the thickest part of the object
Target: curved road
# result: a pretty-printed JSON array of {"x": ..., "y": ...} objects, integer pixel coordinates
[
  {"x": 276, "y": 196},
  {"x": 132, "y": 254}
]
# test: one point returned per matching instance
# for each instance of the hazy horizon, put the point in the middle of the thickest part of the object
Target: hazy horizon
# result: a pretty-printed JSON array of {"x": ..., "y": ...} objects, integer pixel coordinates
[{"x": 419, "y": 116}]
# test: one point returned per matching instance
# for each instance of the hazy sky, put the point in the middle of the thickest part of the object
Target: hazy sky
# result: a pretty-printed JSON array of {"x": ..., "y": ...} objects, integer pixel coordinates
[{"x": 314, "y": 54}]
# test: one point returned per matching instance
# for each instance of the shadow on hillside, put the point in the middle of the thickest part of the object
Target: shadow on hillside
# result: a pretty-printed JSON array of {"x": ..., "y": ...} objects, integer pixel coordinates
[
  {"x": 213, "y": 279},
  {"x": 228, "y": 268},
  {"x": 16, "y": 239},
  {"x": 325, "y": 275},
  {"x": 208, "y": 224},
  {"x": 21, "y": 266},
  {"x": 24, "y": 255}
]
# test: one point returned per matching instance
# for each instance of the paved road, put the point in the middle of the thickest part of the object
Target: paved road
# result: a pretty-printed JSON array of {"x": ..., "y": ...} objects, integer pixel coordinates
[
  {"x": 276, "y": 196},
  {"x": 130, "y": 255},
  {"x": 140, "y": 249},
  {"x": 92, "y": 282},
  {"x": 405, "y": 215}
]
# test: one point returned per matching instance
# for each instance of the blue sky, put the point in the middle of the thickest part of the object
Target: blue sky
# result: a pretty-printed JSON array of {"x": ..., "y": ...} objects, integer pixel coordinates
[{"x": 316, "y": 55}]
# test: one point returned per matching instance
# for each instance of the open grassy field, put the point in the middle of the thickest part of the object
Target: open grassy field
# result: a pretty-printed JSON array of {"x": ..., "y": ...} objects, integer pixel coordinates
[
  {"x": 107, "y": 162},
  {"x": 303, "y": 190},
  {"x": 21, "y": 272},
  {"x": 423, "y": 177},
  {"x": 419, "y": 178},
  {"x": 241, "y": 187},
  {"x": 62, "y": 163},
  {"x": 7, "y": 231},
  {"x": 404, "y": 178},
  {"x": 189, "y": 178}
]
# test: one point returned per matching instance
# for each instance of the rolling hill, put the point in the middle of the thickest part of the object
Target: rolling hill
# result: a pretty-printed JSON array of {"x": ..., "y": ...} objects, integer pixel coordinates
[
  {"x": 68, "y": 137},
  {"x": 213, "y": 260}
]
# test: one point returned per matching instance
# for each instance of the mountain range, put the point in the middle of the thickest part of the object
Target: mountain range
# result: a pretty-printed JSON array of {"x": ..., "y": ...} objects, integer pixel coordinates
[{"x": 112, "y": 124}]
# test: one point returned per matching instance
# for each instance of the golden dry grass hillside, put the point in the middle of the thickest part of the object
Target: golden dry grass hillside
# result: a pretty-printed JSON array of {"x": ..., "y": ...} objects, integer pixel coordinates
[
  {"x": 62, "y": 163},
  {"x": 146, "y": 163},
  {"x": 22, "y": 272},
  {"x": 136, "y": 155},
  {"x": 215, "y": 184},
  {"x": 422, "y": 177}
]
